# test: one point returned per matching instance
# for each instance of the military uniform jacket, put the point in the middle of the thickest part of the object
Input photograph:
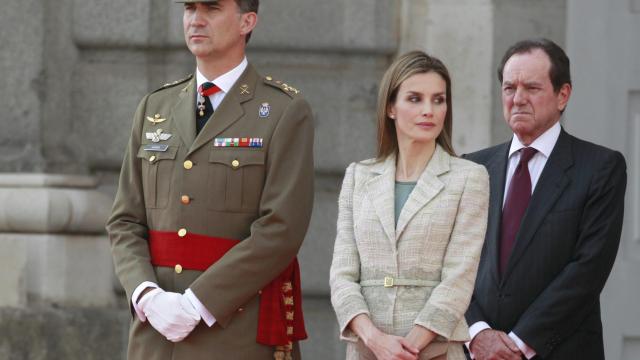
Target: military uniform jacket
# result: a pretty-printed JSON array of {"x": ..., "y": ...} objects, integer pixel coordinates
[{"x": 260, "y": 195}]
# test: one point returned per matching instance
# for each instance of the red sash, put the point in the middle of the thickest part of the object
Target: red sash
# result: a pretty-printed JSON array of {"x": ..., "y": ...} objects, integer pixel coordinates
[{"x": 280, "y": 318}]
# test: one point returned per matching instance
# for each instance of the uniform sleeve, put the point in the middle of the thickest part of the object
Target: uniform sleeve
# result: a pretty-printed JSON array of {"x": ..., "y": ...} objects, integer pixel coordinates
[
  {"x": 564, "y": 304},
  {"x": 449, "y": 300},
  {"x": 127, "y": 226},
  {"x": 276, "y": 236},
  {"x": 344, "y": 278}
]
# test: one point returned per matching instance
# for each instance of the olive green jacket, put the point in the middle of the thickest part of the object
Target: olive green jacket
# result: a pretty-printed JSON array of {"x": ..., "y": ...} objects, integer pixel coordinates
[{"x": 262, "y": 196}]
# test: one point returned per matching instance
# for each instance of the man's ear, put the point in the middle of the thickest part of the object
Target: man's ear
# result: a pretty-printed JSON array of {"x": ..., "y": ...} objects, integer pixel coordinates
[
  {"x": 563, "y": 96},
  {"x": 249, "y": 21}
]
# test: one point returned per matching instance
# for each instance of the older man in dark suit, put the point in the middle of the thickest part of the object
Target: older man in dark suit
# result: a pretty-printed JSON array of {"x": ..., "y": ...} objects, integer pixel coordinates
[{"x": 555, "y": 218}]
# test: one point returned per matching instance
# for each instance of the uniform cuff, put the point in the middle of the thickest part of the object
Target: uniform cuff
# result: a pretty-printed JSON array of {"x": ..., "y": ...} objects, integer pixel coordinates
[
  {"x": 208, "y": 318},
  {"x": 136, "y": 294}
]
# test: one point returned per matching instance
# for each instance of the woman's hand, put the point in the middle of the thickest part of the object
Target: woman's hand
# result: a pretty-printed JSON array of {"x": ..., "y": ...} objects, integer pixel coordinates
[
  {"x": 419, "y": 337},
  {"x": 391, "y": 347},
  {"x": 383, "y": 346}
]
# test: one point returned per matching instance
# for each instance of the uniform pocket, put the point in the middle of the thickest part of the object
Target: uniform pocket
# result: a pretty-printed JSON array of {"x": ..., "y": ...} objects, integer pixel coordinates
[
  {"x": 157, "y": 171},
  {"x": 236, "y": 178}
]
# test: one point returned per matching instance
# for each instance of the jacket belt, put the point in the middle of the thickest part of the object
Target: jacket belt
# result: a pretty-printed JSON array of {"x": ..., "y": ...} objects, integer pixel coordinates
[
  {"x": 389, "y": 281},
  {"x": 280, "y": 319}
]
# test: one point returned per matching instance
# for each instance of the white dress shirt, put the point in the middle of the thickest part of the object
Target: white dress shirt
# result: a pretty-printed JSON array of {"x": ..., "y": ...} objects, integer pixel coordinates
[
  {"x": 544, "y": 144},
  {"x": 225, "y": 82}
]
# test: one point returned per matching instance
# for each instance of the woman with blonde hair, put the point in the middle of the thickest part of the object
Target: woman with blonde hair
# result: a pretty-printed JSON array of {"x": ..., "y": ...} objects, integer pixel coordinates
[{"x": 411, "y": 226}]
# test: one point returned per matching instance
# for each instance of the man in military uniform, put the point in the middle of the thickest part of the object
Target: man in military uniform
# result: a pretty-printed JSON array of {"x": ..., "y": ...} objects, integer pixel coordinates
[{"x": 213, "y": 203}]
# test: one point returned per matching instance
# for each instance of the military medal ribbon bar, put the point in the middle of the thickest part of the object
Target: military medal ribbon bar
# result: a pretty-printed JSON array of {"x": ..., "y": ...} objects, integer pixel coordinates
[{"x": 238, "y": 142}]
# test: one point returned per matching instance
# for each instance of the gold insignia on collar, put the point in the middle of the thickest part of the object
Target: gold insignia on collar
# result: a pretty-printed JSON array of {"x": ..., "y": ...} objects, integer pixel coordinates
[
  {"x": 156, "y": 119},
  {"x": 244, "y": 89}
]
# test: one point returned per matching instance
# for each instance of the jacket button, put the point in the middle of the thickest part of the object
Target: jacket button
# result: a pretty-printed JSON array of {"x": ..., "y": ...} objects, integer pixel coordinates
[
  {"x": 188, "y": 164},
  {"x": 185, "y": 199},
  {"x": 182, "y": 232},
  {"x": 152, "y": 158},
  {"x": 240, "y": 309},
  {"x": 178, "y": 269},
  {"x": 235, "y": 163}
]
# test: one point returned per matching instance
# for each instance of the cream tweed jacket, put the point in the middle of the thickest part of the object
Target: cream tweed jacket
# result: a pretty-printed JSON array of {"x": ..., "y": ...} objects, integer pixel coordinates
[{"x": 435, "y": 246}]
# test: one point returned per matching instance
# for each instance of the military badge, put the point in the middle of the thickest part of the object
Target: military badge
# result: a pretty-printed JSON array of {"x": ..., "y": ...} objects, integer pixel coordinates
[
  {"x": 264, "y": 110},
  {"x": 156, "y": 119},
  {"x": 157, "y": 136},
  {"x": 156, "y": 147}
]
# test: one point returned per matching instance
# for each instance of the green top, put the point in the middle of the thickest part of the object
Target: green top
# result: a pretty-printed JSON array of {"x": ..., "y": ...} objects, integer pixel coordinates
[{"x": 402, "y": 192}]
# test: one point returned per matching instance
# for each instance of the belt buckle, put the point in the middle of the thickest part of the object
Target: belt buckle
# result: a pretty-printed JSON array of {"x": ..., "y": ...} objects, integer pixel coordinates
[{"x": 388, "y": 281}]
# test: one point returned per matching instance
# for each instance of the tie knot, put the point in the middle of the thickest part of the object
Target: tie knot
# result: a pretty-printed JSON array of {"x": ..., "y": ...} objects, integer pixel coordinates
[
  {"x": 208, "y": 89},
  {"x": 526, "y": 154}
]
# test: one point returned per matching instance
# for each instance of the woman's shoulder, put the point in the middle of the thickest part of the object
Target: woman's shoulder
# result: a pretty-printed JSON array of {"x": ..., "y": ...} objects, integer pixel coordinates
[{"x": 468, "y": 167}]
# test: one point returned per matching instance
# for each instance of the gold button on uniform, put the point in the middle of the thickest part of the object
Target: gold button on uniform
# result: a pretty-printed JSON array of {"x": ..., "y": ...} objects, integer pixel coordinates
[
  {"x": 182, "y": 232},
  {"x": 188, "y": 164},
  {"x": 185, "y": 199},
  {"x": 235, "y": 163},
  {"x": 269, "y": 78},
  {"x": 178, "y": 269},
  {"x": 152, "y": 158},
  {"x": 240, "y": 309}
]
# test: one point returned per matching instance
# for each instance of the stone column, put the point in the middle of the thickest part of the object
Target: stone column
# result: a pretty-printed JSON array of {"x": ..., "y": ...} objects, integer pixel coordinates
[
  {"x": 460, "y": 33},
  {"x": 57, "y": 280}
]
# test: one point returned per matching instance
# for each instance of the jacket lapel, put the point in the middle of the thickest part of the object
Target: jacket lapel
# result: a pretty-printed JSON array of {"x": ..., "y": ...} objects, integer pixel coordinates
[
  {"x": 183, "y": 114},
  {"x": 229, "y": 111},
  {"x": 427, "y": 187},
  {"x": 380, "y": 189},
  {"x": 553, "y": 180},
  {"x": 497, "y": 170}
]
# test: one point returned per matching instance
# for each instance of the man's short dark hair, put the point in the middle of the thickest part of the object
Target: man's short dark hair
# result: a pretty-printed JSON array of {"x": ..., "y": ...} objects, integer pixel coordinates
[
  {"x": 248, "y": 6},
  {"x": 559, "y": 73}
]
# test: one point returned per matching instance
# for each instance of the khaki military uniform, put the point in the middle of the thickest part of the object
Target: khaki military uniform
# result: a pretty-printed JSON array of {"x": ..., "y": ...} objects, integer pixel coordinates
[{"x": 260, "y": 195}]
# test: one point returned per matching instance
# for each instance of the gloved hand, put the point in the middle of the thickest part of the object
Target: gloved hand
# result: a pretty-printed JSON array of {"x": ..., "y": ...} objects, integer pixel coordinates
[{"x": 171, "y": 314}]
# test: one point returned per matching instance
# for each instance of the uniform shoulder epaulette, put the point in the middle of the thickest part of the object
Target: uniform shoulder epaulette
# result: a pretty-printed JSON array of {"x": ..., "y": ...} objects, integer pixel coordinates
[
  {"x": 279, "y": 84},
  {"x": 175, "y": 83}
]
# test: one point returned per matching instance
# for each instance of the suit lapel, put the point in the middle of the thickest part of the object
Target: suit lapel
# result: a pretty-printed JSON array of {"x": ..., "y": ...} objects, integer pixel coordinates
[
  {"x": 497, "y": 170},
  {"x": 229, "y": 111},
  {"x": 380, "y": 189},
  {"x": 427, "y": 187},
  {"x": 183, "y": 114},
  {"x": 553, "y": 180}
]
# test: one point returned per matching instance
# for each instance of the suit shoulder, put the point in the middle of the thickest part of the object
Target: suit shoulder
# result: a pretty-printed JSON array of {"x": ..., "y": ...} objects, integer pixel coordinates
[
  {"x": 485, "y": 155},
  {"x": 588, "y": 155}
]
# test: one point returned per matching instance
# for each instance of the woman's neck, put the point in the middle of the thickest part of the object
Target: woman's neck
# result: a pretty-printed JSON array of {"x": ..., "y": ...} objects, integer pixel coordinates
[{"x": 412, "y": 159}]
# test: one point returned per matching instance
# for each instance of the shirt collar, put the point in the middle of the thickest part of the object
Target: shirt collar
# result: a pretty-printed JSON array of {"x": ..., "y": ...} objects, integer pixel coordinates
[
  {"x": 226, "y": 80},
  {"x": 543, "y": 143}
]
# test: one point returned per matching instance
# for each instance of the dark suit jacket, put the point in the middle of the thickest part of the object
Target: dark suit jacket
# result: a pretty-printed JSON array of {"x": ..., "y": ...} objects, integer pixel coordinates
[{"x": 567, "y": 243}]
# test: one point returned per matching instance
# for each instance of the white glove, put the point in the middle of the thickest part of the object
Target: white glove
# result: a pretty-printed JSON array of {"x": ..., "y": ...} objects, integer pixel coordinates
[{"x": 170, "y": 313}]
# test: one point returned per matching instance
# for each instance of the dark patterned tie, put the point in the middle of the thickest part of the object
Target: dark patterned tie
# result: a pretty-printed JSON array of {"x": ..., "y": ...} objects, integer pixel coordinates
[
  {"x": 204, "y": 110},
  {"x": 518, "y": 197}
]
